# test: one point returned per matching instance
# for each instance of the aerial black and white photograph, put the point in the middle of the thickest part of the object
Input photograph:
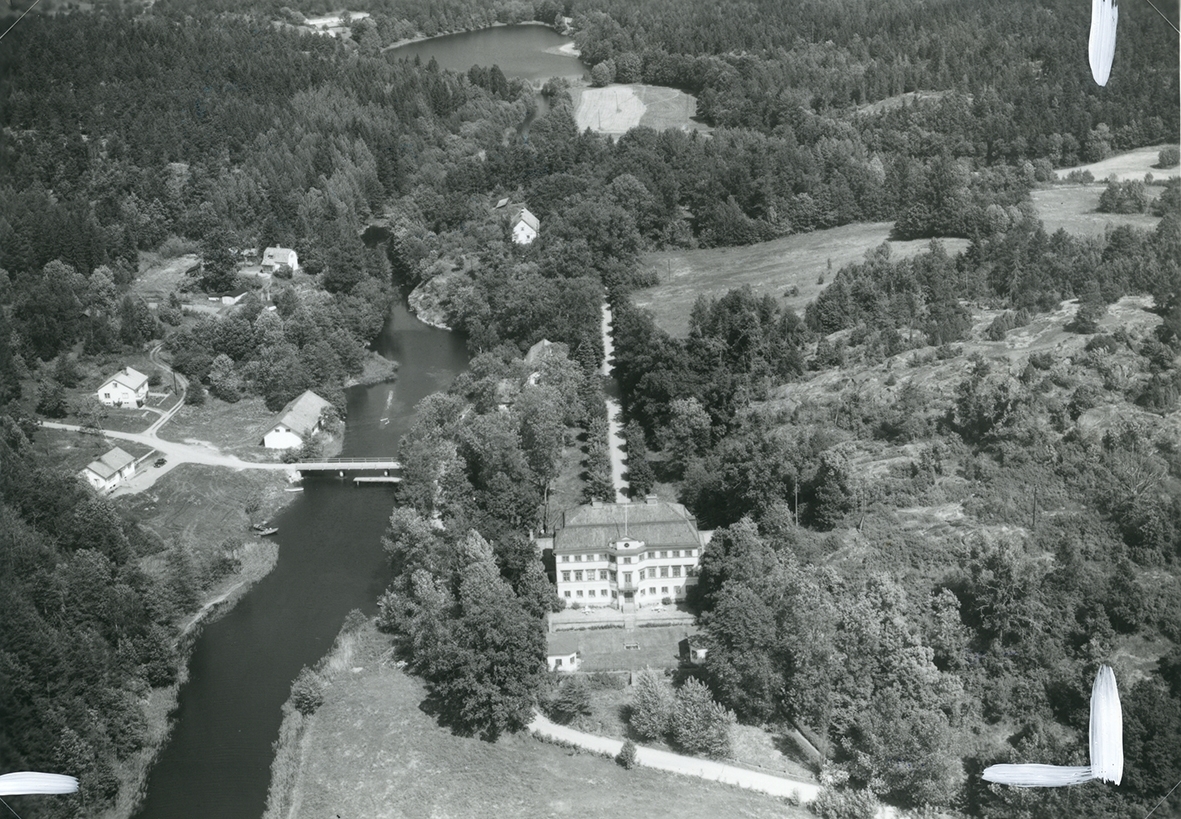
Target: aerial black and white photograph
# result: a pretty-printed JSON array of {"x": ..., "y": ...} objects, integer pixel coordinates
[{"x": 512, "y": 409}]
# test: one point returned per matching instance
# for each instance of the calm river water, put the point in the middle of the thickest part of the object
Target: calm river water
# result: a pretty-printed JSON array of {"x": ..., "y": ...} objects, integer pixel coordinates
[{"x": 217, "y": 761}]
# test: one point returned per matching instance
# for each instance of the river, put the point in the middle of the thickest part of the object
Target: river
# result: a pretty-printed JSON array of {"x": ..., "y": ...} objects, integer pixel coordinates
[{"x": 217, "y": 761}]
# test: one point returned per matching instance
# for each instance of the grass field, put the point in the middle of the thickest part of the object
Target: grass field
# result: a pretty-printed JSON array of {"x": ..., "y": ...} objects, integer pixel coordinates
[
  {"x": 769, "y": 267},
  {"x": 1131, "y": 165},
  {"x": 158, "y": 277},
  {"x": 619, "y": 108},
  {"x": 233, "y": 428},
  {"x": 372, "y": 751},
  {"x": 1074, "y": 208}
]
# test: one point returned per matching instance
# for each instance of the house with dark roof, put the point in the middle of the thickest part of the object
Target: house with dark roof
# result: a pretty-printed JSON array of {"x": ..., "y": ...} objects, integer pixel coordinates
[
  {"x": 523, "y": 224},
  {"x": 626, "y": 555},
  {"x": 126, "y": 388},
  {"x": 110, "y": 470},
  {"x": 298, "y": 421}
]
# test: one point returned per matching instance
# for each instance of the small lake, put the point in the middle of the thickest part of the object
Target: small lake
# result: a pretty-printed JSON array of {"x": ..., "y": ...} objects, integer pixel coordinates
[{"x": 524, "y": 51}]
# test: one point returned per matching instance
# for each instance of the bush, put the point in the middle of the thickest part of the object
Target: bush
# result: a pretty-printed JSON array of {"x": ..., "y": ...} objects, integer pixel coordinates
[
  {"x": 307, "y": 692},
  {"x": 51, "y": 400},
  {"x": 175, "y": 246},
  {"x": 699, "y": 725},
  {"x": 1169, "y": 157},
  {"x": 195, "y": 395},
  {"x": 652, "y": 705},
  {"x": 627, "y": 755},
  {"x": 571, "y": 701}
]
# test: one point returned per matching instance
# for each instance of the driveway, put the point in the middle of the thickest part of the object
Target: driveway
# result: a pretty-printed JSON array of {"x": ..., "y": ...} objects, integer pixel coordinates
[{"x": 686, "y": 765}]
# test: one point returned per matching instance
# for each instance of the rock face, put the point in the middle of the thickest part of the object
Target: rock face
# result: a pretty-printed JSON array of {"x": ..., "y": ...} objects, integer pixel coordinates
[{"x": 429, "y": 300}]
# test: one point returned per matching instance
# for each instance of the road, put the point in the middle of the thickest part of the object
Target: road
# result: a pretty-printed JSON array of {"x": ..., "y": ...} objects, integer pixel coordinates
[
  {"x": 182, "y": 391},
  {"x": 616, "y": 448},
  {"x": 686, "y": 765}
]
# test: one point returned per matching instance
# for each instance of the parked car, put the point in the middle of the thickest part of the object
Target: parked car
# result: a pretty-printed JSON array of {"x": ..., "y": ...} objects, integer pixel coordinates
[{"x": 161, "y": 461}]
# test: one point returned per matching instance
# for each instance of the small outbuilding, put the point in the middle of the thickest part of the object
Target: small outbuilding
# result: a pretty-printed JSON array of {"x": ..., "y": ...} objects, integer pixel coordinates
[
  {"x": 110, "y": 470},
  {"x": 234, "y": 297},
  {"x": 126, "y": 388},
  {"x": 275, "y": 259},
  {"x": 562, "y": 653},
  {"x": 298, "y": 421}
]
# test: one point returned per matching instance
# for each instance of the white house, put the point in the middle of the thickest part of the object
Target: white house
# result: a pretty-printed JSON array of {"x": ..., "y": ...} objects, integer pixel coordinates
[
  {"x": 627, "y": 555},
  {"x": 562, "y": 652},
  {"x": 110, "y": 470},
  {"x": 298, "y": 420},
  {"x": 126, "y": 388},
  {"x": 524, "y": 225},
  {"x": 279, "y": 258}
]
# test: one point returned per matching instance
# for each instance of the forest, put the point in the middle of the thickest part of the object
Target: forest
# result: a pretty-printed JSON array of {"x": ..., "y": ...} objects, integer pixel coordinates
[{"x": 121, "y": 135}]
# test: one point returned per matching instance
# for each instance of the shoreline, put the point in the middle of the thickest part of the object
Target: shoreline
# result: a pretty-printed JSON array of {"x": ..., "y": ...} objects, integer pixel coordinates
[
  {"x": 423, "y": 38},
  {"x": 259, "y": 557}
]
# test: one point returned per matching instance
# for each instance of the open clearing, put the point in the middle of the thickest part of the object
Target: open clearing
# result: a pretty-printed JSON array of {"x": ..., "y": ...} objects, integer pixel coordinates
[
  {"x": 898, "y": 100},
  {"x": 158, "y": 277},
  {"x": 1075, "y": 209},
  {"x": 618, "y": 108},
  {"x": 773, "y": 268},
  {"x": 1130, "y": 165},
  {"x": 372, "y": 751}
]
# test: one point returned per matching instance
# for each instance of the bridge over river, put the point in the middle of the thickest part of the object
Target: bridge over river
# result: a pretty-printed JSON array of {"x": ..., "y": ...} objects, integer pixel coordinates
[{"x": 348, "y": 465}]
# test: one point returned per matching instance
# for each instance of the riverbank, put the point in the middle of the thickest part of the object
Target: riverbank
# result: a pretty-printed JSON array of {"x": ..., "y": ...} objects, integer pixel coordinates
[
  {"x": 197, "y": 508},
  {"x": 377, "y": 369}
]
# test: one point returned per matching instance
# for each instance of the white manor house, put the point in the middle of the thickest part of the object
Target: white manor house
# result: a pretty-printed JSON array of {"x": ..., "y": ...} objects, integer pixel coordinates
[{"x": 626, "y": 555}]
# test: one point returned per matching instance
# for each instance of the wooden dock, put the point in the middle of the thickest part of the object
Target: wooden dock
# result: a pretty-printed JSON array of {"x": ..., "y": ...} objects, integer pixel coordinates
[{"x": 377, "y": 479}]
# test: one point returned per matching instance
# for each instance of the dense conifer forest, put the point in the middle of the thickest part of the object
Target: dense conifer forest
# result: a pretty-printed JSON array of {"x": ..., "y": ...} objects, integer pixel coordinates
[{"x": 916, "y": 655}]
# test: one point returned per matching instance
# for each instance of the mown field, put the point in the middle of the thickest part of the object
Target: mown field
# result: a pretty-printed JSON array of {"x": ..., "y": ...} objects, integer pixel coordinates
[
  {"x": 372, "y": 751},
  {"x": 774, "y": 268},
  {"x": 618, "y": 108}
]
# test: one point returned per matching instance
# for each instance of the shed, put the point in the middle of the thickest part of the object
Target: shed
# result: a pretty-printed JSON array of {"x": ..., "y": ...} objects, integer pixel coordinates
[{"x": 562, "y": 652}]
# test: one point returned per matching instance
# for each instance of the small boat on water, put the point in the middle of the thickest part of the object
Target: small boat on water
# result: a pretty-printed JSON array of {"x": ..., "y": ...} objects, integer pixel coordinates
[
  {"x": 389, "y": 402},
  {"x": 263, "y": 529},
  {"x": 265, "y": 532}
]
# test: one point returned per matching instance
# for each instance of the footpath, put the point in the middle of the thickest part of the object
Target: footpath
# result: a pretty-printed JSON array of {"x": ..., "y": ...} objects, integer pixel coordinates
[{"x": 780, "y": 786}]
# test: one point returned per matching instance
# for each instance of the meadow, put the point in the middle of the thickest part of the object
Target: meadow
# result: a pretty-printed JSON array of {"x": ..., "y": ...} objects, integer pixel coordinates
[{"x": 794, "y": 269}]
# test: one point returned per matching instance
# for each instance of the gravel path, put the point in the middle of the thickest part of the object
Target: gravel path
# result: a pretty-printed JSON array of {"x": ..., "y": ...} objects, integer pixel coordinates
[{"x": 686, "y": 765}]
